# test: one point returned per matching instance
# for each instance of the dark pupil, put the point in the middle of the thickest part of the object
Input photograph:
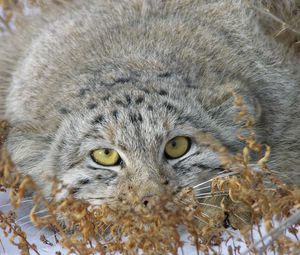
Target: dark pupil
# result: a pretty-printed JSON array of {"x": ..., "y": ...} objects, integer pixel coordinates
[
  {"x": 174, "y": 143},
  {"x": 106, "y": 151}
]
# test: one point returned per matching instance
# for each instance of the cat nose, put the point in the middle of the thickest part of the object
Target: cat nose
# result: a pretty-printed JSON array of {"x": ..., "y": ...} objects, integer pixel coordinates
[{"x": 147, "y": 201}]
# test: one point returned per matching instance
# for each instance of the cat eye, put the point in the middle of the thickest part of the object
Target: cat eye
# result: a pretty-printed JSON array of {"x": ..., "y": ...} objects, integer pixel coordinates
[
  {"x": 106, "y": 157},
  {"x": 177, "y": 147}
]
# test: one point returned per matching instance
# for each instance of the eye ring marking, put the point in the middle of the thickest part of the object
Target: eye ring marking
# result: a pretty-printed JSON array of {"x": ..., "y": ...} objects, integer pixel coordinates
[
  {"x": 106, "y": 157},
  {"x": 177, "y": 147}
]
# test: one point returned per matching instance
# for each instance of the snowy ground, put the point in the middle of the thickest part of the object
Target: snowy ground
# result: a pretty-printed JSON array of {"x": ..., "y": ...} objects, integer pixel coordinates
[{"x": 33, "y": 235}]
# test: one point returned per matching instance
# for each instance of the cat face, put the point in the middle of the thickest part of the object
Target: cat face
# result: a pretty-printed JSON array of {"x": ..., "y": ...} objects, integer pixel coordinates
[{"x": 139, "y": 140}]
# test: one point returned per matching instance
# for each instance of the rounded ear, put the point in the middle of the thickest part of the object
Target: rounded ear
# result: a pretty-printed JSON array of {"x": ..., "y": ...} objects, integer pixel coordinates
[
  {"x": 280, "y": 20},
  {"x": 27, "y": 144},
  {"x": 224, "y": 102}
]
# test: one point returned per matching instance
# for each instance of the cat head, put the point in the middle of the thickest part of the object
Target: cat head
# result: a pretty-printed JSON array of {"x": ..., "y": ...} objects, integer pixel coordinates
[{"x": 142, "y": 141}]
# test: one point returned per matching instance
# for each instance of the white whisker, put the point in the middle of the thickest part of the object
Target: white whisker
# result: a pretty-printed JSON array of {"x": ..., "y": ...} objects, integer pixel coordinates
[
  {"x": 205, "y": 214},
  {"x": 27, "y": 216},
  {"x": 202, "y": 188},
  {"x": 40, "y": 231},
  {"x": 25, "y": 223},
  {"x": 22, "y": 202},
  {"x": 43, "y": 217},
  {"x": 218, "y": 195},
  {"x": 29, "y": 221},
  {"x": 211, "y": 193},
  {"x": 182, "y": 202},
  {"x": 210, "y": 205},
  {"x": 224, "y": 171},
  {"x": 242, "y": 219},
  {"x": 107, "y": 227},
  {"x": 198, "y": 218},
  {"x": 218, "y": 176}
]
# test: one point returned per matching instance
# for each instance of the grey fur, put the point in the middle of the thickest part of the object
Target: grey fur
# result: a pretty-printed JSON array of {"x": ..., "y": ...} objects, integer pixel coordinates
[{"x": 130, "y": 75}]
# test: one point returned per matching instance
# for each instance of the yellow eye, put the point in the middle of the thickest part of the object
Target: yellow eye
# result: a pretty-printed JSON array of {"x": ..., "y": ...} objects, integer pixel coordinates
[
  {"x": 106, "y": 157},
  {"x": 177, "y": 147}
]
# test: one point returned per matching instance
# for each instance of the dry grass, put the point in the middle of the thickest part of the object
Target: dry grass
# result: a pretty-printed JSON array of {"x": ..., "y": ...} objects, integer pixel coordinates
[{"x": 240, "y": 201}]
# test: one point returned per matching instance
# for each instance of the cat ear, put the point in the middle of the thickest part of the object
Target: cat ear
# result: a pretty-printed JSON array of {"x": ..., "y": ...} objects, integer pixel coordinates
[
  {"x": 224, "y": 103},
  {"x": 279, "y": 19},
  {"x": 28, "y": 143}
]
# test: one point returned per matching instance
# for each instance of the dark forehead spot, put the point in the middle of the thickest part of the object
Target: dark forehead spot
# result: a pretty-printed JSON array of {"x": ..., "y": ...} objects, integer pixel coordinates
[
  {"x": 145, "y": 90},
  {"x": 170, "y": 107},
  {"x": 135, "y": 117},
  {"x": 164, "y": 75},
  {"x": 83, "y": 91},
  {"x": 150, "y": 107},
  {"x": 64, "y": 110},
  {"x": 105, "y": 98},
  {"x": 98, "y": 119},
  {"x": 122, "y": 80},
  {"x": 139, "y": 100},
  {"x": 188, "y": 82},
  {"x": 163, "y": 92},
  {"x": 115, "y": 113},
  {"x": 91, "y": 106},
  {"x": 84, "y": 181},
  {"x": 119, "y": 102},
  {"x": 128, "y": 99}
]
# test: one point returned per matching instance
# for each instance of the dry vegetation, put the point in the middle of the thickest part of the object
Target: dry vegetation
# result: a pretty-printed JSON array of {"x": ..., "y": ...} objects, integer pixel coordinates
[
  {"x": 245, "y": 201},
  {"x": 240, "y": 201}
]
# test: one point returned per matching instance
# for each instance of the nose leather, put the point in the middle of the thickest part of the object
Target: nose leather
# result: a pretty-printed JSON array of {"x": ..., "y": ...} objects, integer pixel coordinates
[{"x": 146, "y": 200}]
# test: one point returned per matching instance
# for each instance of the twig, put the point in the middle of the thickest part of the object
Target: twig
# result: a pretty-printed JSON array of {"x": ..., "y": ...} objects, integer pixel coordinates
[{"x": 275, "y": 233}]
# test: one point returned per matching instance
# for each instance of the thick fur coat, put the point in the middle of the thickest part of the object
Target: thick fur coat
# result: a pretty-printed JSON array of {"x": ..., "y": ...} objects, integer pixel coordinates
[{"x": 131, "y": 75}]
